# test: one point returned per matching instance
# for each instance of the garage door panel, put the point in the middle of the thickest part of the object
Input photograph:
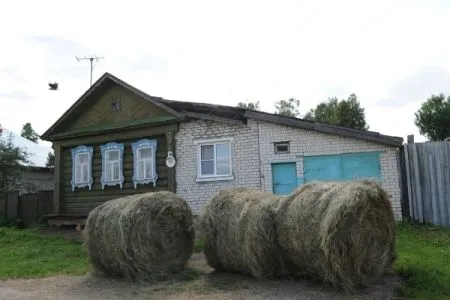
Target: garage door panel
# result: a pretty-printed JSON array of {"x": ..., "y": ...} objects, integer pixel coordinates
[
  {"x": 322, "y": 168},
  {"x": 350, "y": 166},
  {"x": 361, "y": 166}
]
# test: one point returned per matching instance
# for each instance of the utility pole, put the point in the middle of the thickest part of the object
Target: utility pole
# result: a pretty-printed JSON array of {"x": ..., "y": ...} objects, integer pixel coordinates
[{"x": 91, "y": 58}]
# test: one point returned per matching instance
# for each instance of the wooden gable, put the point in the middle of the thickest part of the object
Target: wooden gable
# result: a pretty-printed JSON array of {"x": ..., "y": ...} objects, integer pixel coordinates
[
  {"x": 110, "y": 104},
  {"x": 116, "y": 105}
]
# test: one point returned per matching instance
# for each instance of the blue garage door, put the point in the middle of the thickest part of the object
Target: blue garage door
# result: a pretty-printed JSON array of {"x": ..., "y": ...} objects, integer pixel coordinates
[
  {"x": 284, "y": 178},
  {"x": 350, "y": 166},
  {"x": 322, "y": 168},
  {"x": 361, "y": 166}
]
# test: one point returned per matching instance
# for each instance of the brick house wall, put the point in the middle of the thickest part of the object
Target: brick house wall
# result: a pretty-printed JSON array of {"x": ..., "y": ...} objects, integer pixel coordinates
[
  {"x": 245, "y": 159},
  {"x": 253, "y": 153},
  {"x": 306, "y": 142}
]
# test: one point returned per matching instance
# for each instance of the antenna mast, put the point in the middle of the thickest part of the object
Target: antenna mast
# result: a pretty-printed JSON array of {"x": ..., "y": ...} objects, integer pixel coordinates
[{"x": 91, "y": 58}]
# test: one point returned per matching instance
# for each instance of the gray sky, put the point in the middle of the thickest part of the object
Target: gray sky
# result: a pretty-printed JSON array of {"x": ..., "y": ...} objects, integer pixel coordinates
[{"x": 391, "y": 54}]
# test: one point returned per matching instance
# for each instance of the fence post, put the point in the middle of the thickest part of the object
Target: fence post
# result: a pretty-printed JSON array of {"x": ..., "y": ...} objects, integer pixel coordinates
[
  {"x": 3, "y": 204},
  {"x": 12, "y": 205},
  {"x": 404, "y": 184}
]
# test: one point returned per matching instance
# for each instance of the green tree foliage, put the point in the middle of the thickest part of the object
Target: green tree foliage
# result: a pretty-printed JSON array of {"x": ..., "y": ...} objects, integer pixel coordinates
[
  {"x": 11, "y": 160},
  {"x": 346, "y": 113},
  {"x": 288, "y": 108},
  {"x": 50, "y": 160},
  {"x": 433, "y": 118},
  {"x": 29, "y": 133},
  {"x": 249, "y": 105}
]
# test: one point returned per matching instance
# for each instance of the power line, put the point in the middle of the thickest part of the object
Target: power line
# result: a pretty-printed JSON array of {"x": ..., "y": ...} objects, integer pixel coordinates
[{"x": 91, "y": 58}]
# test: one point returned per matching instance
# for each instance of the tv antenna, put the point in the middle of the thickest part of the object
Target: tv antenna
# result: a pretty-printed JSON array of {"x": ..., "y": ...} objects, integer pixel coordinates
[{"x": 91, "y": 58}]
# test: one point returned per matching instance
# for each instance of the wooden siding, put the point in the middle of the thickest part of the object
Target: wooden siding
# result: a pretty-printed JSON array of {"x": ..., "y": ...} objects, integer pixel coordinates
[
  {"x": 132, "y": 108},
  {"x": 82, "y": 201},
  {"x": 427, "y": 172}
]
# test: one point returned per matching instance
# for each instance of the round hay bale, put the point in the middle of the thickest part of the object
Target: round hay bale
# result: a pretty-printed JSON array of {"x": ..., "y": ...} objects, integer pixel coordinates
[
  {"x": 339, "y": 232},
  {"x": 143, "y": 237},
  {"x": 239, "y": 233}
]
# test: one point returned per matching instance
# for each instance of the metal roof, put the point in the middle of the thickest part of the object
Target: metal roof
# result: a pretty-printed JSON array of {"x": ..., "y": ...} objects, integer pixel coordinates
[{"x": 37, "y": 154}]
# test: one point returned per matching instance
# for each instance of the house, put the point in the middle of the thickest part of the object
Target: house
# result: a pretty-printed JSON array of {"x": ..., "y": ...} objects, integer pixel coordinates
[
  {"x": 116, "y": 140},
  {"x": 36, "y": 176}
]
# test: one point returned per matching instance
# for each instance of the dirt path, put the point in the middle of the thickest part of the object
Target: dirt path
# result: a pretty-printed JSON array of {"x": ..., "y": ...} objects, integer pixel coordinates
[{"x": 199, "y": 282}]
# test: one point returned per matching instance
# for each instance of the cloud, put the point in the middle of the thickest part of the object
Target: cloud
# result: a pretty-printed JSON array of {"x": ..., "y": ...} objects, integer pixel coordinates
[
  {"x": 148, "y": 63},
  {"x": 306, "y": 50},
  {"x": 59, "y": 56},
  {"x": 417, "y": 87},
  {"x": 57, "y": 46},
  {"x": 16, "y": 95}
]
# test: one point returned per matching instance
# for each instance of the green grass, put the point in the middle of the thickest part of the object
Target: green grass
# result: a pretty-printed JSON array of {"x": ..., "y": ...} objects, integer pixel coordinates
[
  {"x": 423, "y": 262},
  {"x": 29, "y": 254},
  {"x": 198, "y": 245}
]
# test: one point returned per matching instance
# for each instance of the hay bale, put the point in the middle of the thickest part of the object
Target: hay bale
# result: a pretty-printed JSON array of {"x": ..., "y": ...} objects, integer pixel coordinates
[
  {"x": 339, "y": 232},
  {"x": 145, "y": 236},
  {"x": 239, "y": 233}
]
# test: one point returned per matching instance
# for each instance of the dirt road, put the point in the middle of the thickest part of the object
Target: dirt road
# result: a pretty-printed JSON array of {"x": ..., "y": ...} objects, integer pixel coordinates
[{"x": 199, "y": 282}]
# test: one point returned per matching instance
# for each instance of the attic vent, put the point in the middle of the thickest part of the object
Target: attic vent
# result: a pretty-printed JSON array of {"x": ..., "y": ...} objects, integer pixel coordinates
[
  {"x": 115, "y": 104},
  {"x": 281, "y": 147}
]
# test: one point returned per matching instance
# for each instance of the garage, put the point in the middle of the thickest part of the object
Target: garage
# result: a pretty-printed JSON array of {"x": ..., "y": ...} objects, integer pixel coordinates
[{"x": 348, "y": 166}]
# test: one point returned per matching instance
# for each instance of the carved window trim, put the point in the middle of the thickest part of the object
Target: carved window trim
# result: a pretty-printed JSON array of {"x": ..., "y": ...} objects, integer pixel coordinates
[
  {"x": 136, "y": 147},
  {"x": 112, "y": 146},
  {"x": 76, "y": 152}
]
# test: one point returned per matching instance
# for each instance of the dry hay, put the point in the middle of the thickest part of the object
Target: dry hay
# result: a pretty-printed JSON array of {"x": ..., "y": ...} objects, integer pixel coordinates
[
  {"x": 239, "y": 233},
  {"x": 142, "y": 237},
  {"x": 339, "y": 232}
]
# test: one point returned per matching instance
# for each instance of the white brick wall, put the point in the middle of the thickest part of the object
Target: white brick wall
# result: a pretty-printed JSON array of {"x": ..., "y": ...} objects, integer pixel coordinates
[
  {"x": 245, "y": 159},
  {"x": 305, "y": 142},
  {"x": 252, "y": 164}
]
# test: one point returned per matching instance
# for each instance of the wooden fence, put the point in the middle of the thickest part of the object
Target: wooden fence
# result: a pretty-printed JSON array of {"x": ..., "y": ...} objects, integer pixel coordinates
[
  {"x": 27, "y": 207},
  {"x": 427, "y": 182}
]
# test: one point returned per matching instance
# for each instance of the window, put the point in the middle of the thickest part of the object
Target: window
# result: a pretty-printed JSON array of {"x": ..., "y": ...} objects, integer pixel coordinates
[
  {"x": 144, "y": 162},
  {"x": 82, "y": 167},
  {"x": 112, "y": 164},
  {"x": 214, "y": 160},
  {"x": 281, "y": 147}
]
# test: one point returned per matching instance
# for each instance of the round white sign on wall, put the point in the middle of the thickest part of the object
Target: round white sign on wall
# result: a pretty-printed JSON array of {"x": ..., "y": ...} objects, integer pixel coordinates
[{"x": 170, "y": 160}]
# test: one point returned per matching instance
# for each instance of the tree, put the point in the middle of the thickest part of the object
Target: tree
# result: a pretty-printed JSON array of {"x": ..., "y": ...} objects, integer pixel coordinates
[
  {"x": 288, "y": 108},
  {"x": 29, "y": 133},
  {"x": 11, "y": 160},
  {"x": 433, "y": 118},
  {"x": 346, "y": 113},
  {"x": 249, "y": 105},
  {"x": 50, "y": 160}
]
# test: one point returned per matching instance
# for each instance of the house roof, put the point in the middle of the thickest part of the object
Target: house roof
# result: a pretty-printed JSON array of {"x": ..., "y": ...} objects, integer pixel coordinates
[
  {"x": 37, "y": 154},
  {"x": 223, "y": 113},
  {"x": 105, "y": 79},
  {"x": 237, "y": 114}
]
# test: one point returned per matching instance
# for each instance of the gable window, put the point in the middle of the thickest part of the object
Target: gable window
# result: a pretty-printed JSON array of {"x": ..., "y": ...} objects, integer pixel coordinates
[
  {"x": 112, "y": 164},
  {"x": 214, "y": 160},
  {"x": 82, "y": 167},
  {"x": 144, "y": 162},
  {"x": 281, "y": 147}
]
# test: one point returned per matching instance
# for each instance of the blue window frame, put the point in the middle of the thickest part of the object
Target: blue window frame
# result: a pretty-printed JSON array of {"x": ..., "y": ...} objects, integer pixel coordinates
[
  {"x": 82, "y": 167},
  {"x": 112, "y": 164},
  {"x": 144, "y": 162}
]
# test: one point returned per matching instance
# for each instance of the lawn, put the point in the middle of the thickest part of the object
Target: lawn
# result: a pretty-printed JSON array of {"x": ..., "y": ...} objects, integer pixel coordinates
[
  {"x": 423, "y": 262},
  {"x": 29, "y": 254}
]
